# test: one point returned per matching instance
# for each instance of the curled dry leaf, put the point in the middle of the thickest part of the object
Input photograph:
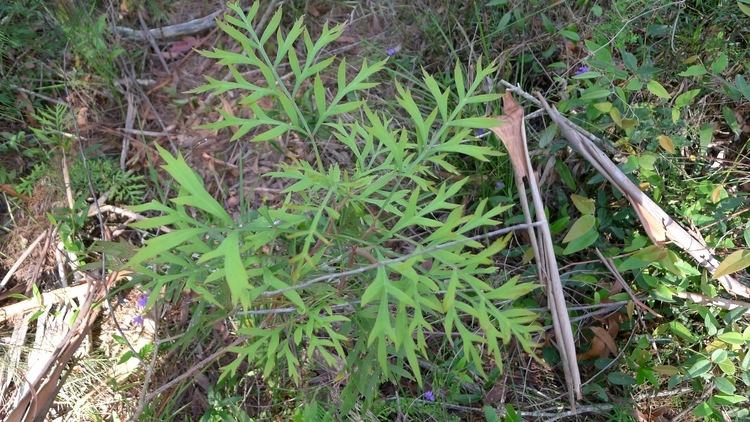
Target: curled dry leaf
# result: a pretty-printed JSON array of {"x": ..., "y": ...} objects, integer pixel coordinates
[
  {"x": 606, "y": 338},
  {"x": 509, "y": 132}
]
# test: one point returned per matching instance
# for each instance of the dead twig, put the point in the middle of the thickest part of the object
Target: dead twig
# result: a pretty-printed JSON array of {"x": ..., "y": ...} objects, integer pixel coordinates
[
  {"x": 611, "y": 267},
  {"x": 55, "y": 296},
  {"x": 124, "y": 213},
  {"x": 129, "y": 121},
  {"x": 152, "y": 41},
  {"x": 193, "y": 369},
  {"x": 172, "y": 31}
]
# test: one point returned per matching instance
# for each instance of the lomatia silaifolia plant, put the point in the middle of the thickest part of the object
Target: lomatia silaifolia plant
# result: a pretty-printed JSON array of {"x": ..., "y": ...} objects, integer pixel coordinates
[{"x": 361, "y": 261}]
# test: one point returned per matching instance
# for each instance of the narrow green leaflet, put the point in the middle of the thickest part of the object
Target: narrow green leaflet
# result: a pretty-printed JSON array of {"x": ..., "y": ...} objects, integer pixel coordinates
[
  {"x": 163, "y": 243},
  {"x": 270, "y": 279},
  {"x": 235, "y": 270},
  {"x": 192, "y": 183}
]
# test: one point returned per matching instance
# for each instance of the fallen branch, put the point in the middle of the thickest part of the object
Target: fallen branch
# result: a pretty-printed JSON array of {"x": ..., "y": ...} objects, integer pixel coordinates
[
  {"x": 657, "y": 224},
  {"x": 124, "y": 213},
  {"x": 43, "y": 387},
  {"x": 512, "y": 132},
  {"x": 172, "y": 31}
]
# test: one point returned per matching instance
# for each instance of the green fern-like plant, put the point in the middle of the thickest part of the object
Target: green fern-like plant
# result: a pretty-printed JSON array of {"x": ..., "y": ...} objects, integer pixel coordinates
[{"x": 364, "y": 259}]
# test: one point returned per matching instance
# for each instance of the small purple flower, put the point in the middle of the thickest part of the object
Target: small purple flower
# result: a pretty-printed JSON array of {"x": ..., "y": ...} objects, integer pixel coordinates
[
  {"x": 141, "y": 301},
  {"x": 499, "y": 185},
  {"x": 138, "y": 320},
  {"x": 391, "y": 51},
  {"x": 581, "y": 70},
  {"x": 479, "y": 132},
  {"x": 429, "y": 395}
]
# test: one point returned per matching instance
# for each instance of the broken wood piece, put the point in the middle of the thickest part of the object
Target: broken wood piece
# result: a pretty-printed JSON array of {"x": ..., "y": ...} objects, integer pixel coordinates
[
  {"x": 659, "y": 226},
  {"x": 512, "y": 132},
  {"x": 121, "y": 212},
  {"x": 55, "y": 296},
  {"x": 172, "y": 31}
]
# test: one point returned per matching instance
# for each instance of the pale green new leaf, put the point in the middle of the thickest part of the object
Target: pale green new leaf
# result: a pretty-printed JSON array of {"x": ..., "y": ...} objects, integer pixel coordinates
[
  {"x": 235, "y": 270},
  {"x": 271, "y": 27},
  {"x": 189, "y": 180}
]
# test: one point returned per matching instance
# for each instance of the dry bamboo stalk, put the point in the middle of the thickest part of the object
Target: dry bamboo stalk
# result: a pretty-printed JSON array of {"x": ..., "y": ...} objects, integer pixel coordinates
[
  {"x": 511, "y": 132},
  {"x": 659, "y": 226}
]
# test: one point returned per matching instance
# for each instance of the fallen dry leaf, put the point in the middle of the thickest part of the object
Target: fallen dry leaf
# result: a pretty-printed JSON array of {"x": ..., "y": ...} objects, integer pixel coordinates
[
  {"x": 509, "y": 132},
  {"x": 606, "y": 338},
  {"x": 82, "y": 117},
  {"x": 183, "y": 46}
]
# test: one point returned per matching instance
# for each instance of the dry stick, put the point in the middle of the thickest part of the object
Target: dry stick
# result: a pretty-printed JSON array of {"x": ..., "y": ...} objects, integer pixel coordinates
[
  {"x": 557, "y": 296},
  {"x": 658, "y": 224},
  {"x": 122, "y": 212},
  {"x": 172, "y": 31},
  {"x": 129, "y": 121},
  {"x": 22, "y": 258},
  {"x": 543, "y": 275},
  {"x": 152, "y": 41},
  {"x": 512, "y": 133},
  {"x": 35, "y": 94},
  {"x": 613, "y": 269},
  {"x": 45, "y": 383},
  {"x": 193, "y": 369},
  {"x": 719, "y": 302}
]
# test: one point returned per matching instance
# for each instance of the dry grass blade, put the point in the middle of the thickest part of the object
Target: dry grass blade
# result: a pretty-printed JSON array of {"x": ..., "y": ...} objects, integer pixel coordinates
[
  {"x": 659, "y": 226},
  {"x": 512, "y": 133}
]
